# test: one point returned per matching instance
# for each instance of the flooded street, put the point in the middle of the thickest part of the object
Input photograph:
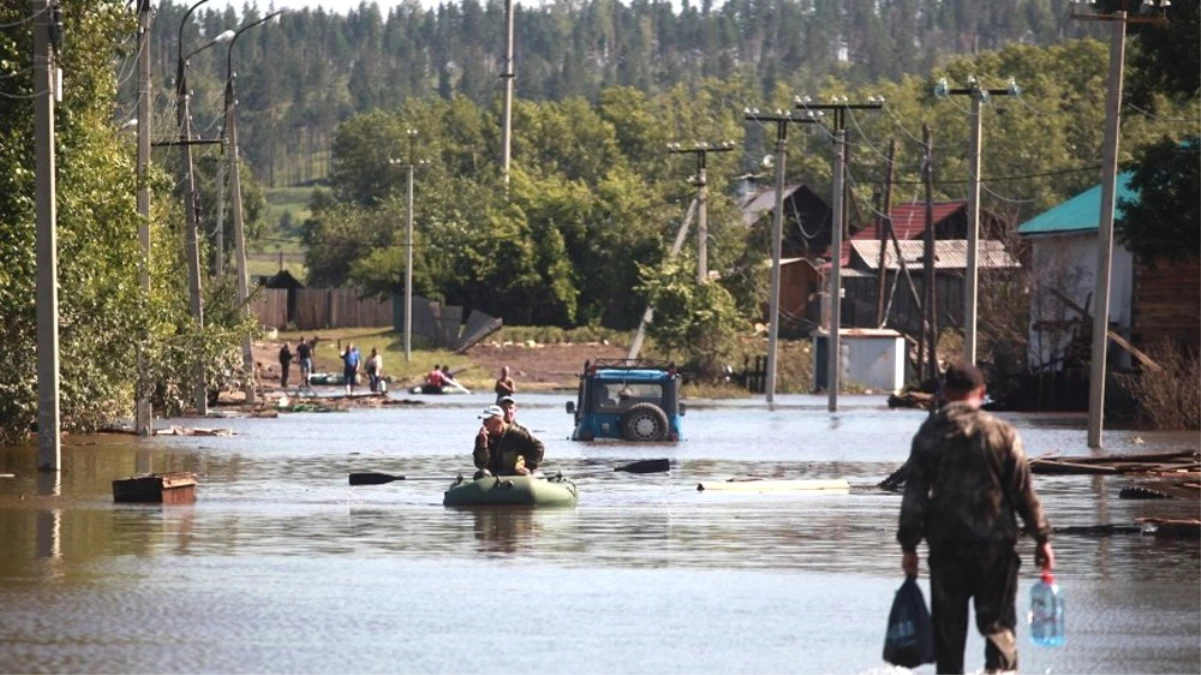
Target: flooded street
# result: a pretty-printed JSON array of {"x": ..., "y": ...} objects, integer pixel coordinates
[{"x": 281, "y": 567}]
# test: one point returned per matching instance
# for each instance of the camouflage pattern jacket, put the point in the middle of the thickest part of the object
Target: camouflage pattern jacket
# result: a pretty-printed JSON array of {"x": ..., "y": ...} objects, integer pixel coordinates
[
  {"x": 499, "y": 455},
  {"x": 967, "y": 478}
]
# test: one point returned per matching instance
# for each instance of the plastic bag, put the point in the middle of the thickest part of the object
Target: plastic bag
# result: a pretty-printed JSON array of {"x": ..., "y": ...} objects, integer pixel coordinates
[{"x": 909, "y": 641}]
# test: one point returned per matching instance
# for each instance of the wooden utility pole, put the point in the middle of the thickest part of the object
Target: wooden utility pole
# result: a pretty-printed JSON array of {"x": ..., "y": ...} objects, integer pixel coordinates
[
  {"x": 701, "y": 181},
  {"x": 972, "y": 276},
  {"x": 840, "y": 109},
  {"x": 885, "y": 221},
  {"x": 47, "y": 35},
  {"x": 143, "y": 413},
  {"x": 1109, "y": 174},
  {"x": 782, "y": 120},
  {"x": 508, "y": 75},
  {"x": 927, "y": 359}
]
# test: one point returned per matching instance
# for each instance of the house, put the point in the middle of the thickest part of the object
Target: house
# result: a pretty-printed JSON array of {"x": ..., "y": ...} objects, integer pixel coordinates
[
  {"x": 1064, "y": 246},
  {"x": 806, "y": 218},
  {"x": 1147, "y": 302},
  {"x": 861, "y": 281},
  {"x": 909, "y": 223}
]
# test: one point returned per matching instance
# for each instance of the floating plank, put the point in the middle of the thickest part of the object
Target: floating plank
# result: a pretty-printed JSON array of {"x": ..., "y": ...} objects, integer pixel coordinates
[
  {"x": 177, "y": 487},
  {"x": 814, "y": 485}
]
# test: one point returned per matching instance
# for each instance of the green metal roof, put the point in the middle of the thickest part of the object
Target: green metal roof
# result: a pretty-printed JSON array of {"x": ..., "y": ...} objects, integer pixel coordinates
[{"x": 1079, "y": 214}]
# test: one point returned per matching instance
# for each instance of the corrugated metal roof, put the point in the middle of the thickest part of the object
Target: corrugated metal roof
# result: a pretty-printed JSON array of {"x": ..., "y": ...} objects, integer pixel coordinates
[
  {"x": 1080, "y": 214},
  {"x": 909, "y": 220},
  {"x": 763, "y": 201},
  {"x": 949, "y": 254}
]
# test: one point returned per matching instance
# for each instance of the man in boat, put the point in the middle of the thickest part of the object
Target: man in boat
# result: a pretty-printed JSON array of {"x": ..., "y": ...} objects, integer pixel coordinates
[
  {"x": 503, "y": 448},
  {"x": 967, "y": 481},
  {"x": 508, "y": 405}
]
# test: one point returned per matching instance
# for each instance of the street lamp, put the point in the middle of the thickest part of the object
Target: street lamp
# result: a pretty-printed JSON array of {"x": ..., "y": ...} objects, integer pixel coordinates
[
  {"x": 231, "y": 130},
  {"x": 192, "y": 247}
]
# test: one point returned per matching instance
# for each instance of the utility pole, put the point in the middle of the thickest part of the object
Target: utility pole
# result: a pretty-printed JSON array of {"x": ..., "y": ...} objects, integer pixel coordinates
[
  {"x": 885, "y": 220},
  {"x": 971, "y": 281},
  {"x": 143, "y": 413},
  {"x": 508, "y": 75},
  {"x": 648, "y": 314},
  {"x": 781, "y": 119},
  {"x": 192, "y": 244},
  {"x": 841, "y": 108},
  {"x": 701, "y": 181},
  {"x": 242, "y": 283},
  {"x": 928, "y": 358},
  {"x": 1109, "y": 174},
  {"x": 47, "y": 38},
  {"x": 412, "y": 134}
]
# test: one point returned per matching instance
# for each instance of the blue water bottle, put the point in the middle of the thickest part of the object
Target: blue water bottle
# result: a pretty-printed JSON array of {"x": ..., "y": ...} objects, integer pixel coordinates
[{"x": 1046, "y": 612}]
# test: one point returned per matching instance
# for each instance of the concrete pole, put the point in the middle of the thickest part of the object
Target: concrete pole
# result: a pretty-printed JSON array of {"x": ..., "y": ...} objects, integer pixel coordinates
[
  {"x": 143, "y": 414},
  {"x": 409, "y": 251},
  {"x": 506, "y": 133},
  {"x": 239, "y": 241},
  {"x": 46, "y": 247},
  {"x": 777, "y": 252},
  {"x": 702, "y": 222},
  {"x": 192, "y": 245},
  {"x": 648, "y": 314},
  {"x": 1109, "y": 171},
  {"x": 834, "y": 357},
  {"x": 971, "y": 281}
]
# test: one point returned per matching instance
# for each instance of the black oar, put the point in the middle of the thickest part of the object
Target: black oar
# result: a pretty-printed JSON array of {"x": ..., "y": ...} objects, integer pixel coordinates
[{"x": 643, "y": 466}]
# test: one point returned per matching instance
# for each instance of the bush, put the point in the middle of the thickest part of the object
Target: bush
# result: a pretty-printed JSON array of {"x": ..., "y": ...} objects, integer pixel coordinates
[{"x": 1170, "y": 399}]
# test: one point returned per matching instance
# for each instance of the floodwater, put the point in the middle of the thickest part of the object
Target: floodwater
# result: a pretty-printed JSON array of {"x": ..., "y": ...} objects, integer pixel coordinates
[{"x": 281, "y": 567}]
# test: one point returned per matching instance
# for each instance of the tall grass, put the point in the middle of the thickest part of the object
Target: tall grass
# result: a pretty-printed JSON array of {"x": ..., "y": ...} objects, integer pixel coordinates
[{"x": 1168, "y": 400}]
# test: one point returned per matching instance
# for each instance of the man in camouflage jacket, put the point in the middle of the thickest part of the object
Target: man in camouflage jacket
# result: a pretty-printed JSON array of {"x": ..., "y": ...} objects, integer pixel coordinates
[{"x": 967, "y": 478}]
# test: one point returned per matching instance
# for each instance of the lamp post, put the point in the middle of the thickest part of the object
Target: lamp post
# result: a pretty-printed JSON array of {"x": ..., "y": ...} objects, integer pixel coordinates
[
  {"x": 192, "y": 252},
  {"x": 231, "y": 131}
]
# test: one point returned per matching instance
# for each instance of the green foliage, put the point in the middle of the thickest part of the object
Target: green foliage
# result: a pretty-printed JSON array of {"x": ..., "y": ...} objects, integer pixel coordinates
[
  {"x": 699, "y": 324},
  {"x": 1165, "y": 221},
  {"x": 103, "y": 313}
]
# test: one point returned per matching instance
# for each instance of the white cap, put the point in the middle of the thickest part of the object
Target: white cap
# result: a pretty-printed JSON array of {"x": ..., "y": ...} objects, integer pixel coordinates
[{"x": 492, "y": 411}]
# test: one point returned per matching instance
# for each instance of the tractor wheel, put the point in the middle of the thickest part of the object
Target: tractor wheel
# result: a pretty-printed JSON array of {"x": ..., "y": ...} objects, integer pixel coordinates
[{"x": 644, "y": 422}]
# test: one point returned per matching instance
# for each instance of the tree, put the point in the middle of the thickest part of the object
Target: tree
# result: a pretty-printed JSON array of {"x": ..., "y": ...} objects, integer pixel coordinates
[
  {"x": 699, "y": 323},
  {"x": 1165, "y": 220}
]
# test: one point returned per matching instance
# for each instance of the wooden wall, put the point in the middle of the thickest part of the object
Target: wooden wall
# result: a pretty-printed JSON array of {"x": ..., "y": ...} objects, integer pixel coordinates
[{"x": 1167, "y": 300}]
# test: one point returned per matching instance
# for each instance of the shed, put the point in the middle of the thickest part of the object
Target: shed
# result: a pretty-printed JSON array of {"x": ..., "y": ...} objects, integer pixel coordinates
[
  {"x": 873, "y": 358},
  {"x": 283, "y": 280},
  {"x": 806, "y": 218}
]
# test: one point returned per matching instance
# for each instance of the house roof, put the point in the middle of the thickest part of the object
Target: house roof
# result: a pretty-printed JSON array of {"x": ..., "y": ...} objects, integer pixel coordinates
[
  {"x": 909, "y": 220},
  {"x": 1080, "y": 214},
  {"x": 949, "y": 254},
  {"x": 762, "y": 202}
]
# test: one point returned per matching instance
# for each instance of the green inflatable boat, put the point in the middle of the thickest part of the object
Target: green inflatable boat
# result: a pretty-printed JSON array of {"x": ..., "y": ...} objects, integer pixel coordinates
[{"x": 512, "y": 491}]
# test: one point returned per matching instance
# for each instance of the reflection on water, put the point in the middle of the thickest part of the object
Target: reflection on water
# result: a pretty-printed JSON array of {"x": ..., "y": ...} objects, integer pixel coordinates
[{"x": 280, "y": 566}]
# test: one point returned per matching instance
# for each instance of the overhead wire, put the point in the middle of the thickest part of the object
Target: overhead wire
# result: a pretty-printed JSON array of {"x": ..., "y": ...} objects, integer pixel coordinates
[{"x": 27, "y": 19}]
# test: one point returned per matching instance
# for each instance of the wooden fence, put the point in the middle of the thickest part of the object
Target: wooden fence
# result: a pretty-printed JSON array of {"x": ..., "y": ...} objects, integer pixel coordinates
[{"x": 321, "y": 308}]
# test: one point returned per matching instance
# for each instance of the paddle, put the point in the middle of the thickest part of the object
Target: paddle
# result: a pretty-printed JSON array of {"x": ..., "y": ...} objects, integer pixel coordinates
[{"x": 643, "y": 466}]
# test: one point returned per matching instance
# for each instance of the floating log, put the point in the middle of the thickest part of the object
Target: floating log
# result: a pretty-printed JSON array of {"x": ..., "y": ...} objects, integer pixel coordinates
[
  {"x": 177, "y": 487},
  {"x": 756, "y": 485},
  {"x": 911, "y": 399},
  {"x": 1172, "y": 528}
]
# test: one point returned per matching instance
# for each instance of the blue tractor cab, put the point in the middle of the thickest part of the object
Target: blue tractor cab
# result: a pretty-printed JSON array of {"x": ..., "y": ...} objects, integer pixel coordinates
[{"x": 627, "y": 399}]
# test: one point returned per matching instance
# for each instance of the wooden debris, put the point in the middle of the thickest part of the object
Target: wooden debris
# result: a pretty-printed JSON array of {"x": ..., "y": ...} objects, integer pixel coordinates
[
  {"x": 911, "y": 399},
  {"x": 1182, "y": 461},
  {"x": 156, "y": 488},
  {"x": 1172, "y": 528},
  {"x": 192, "y": 431}
]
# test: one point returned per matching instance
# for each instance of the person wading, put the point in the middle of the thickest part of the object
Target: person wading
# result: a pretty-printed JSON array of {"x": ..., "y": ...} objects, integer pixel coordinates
[
  {"x": 967, "y": 480},
  {"x": 504, "y": 449},
  {"x": 504, "y": 385}
]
